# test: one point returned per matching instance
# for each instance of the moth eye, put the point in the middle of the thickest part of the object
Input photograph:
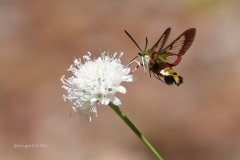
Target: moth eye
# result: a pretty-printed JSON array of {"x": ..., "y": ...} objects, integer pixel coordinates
[{"x": 140, "y": 54}]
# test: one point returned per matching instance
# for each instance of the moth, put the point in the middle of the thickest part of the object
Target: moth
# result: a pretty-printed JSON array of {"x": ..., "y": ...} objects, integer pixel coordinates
[{"x": 160, "y": 60}]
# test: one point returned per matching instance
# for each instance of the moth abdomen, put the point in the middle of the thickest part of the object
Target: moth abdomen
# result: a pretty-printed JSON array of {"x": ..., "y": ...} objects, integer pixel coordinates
[{"x": 171, "y": 79}]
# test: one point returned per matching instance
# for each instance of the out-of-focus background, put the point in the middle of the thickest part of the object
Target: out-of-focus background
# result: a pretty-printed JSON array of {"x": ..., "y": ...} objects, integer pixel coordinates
[{"x": 198, "y": 120}]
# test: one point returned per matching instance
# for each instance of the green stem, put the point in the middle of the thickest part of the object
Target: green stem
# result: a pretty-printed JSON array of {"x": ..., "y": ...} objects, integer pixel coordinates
[{"x": 135, "y": 130}]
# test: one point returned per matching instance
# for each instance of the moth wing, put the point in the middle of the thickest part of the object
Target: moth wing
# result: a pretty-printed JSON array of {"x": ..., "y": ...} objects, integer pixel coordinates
[
  {"x": 160, "y": 43},
  {"x": 175, "y": 50}
]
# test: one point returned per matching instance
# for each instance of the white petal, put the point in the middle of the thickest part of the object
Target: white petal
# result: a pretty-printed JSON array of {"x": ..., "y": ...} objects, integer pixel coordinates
[
  {"x": 105, "y": 101},
  {"x": 128, "y": 78},
  {"x": 121, "y": 54},
  {"x": 117, "y": 101},
  {"x": 122, "y": 89},
  {"x": 93, "y": 100}
]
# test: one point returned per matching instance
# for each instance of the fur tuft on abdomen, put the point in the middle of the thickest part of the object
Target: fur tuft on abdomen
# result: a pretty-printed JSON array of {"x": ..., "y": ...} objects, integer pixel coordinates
[{"x": 170, "y": 79}]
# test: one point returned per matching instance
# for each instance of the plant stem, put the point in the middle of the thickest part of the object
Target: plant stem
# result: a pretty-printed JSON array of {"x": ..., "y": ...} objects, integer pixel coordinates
[{"x": 135, "y": 130}]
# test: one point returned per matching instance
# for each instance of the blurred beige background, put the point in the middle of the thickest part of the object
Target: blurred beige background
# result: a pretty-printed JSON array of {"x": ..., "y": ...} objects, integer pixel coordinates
[{"x": 198, "y": 120}]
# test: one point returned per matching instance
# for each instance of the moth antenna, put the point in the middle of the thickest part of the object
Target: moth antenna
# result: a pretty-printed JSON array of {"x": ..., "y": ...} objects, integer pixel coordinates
[
  {"x": 133, "y": 40},
  {"x": 146, "y": 43}
]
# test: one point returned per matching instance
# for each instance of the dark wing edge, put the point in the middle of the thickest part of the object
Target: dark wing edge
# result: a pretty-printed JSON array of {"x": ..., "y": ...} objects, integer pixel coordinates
[
  {"x": 190, "y": 35},
  {"x": 181, "y": 44}
]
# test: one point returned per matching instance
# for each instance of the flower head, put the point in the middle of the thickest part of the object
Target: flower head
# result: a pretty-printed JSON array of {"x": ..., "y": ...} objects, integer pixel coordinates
[{"x": 95, "y": 82}]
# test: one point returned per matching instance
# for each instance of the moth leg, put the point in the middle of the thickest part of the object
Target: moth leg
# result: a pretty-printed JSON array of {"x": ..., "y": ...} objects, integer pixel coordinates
[
  {"x": 134, "y": 61},
  {"x": 158, "y": 77}
]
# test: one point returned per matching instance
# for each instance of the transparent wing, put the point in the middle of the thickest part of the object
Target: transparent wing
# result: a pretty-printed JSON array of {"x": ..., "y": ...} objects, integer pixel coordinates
[
  {"x": 173, "y": 53},
  {"x": 160, "y": 43}
]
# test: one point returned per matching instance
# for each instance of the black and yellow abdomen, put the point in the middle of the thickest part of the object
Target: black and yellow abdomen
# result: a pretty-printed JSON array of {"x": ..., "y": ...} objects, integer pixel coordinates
[{"x": 171, "y": 76}]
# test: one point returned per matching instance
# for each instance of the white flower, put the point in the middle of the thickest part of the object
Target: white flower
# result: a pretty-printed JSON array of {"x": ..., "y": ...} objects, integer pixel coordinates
[{"x": 95, "y": 82}]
